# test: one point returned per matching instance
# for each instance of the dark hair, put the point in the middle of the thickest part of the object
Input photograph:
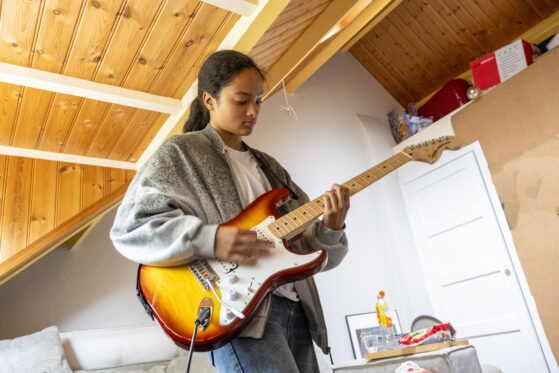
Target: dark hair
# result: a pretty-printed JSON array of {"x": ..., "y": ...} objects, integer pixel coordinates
[{"x": 217, "y": 72}]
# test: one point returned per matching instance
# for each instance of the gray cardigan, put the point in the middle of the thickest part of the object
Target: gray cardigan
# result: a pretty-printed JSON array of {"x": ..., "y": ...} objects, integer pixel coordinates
[{"x": 171, "y": 211}]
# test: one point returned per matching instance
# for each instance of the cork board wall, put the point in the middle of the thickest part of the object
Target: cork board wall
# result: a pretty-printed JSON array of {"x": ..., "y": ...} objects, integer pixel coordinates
[{"x": 517, "y": 125}]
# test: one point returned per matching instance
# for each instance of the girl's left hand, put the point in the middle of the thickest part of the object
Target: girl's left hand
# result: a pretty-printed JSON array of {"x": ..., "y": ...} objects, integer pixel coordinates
[{"x": 336, "y": 205}]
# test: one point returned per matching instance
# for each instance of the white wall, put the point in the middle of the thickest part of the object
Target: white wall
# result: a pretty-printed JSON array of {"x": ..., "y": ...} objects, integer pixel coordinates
[
  {"x": 330, "y": 143},
  {"x": 92, "y": 286}
]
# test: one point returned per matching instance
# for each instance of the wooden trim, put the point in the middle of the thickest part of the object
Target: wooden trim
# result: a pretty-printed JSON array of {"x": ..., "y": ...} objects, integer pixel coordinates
[
  {"x": 542, "y": 30},
  {"x": 306, "y": 43},
  {"x": 28, "y": 77},
  {"x": 77, "y": 238},
  {"x": 364, "y": 31},
  {"x": 36, "y": 250},
  {"x": 259, "y": 25},
  {"x": 284, "y": 27},
  {"x": 242, "y": 7},
  {"x": 369, "y": 17},
  {"x": 63, "y": 157}
]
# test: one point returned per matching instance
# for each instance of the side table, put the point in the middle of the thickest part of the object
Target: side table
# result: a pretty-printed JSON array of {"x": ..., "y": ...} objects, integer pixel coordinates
[{"x": 455, "y": 359}]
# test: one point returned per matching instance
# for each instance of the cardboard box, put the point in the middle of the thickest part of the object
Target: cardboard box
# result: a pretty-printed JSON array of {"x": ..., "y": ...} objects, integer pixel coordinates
[{"x": 500, "y": 65}]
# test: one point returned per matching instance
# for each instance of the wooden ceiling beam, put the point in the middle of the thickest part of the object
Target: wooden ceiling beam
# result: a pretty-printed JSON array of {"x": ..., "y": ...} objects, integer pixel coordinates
[
  {"x": 63, "y": 157},
  {"x": 258, "y": 26},
  {"x": 77, "y": 238},
  {"x": 28, "y": 77},
  {"x": 368, "y": 18},
  {"x": 306, "y": 43},
  {"x": 242, "y": 7},
  {"x": 242, "y": 37},
  {"x": 543, "y": 30},
  {"x": 364, "y": 31}
]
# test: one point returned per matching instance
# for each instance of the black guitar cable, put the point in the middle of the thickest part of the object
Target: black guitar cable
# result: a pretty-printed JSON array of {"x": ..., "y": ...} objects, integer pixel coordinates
[
  {"x": 196, "y": 324},
  {"x": 202, "y": 321}
]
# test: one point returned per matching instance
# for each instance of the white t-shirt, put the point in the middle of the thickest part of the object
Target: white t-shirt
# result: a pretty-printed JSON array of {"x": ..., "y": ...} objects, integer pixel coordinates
[
  {"x": 252, "y": 184},
  {"x": 247, "y": 175}
]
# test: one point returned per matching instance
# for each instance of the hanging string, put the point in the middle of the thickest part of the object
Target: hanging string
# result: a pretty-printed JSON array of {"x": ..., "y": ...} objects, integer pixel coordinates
[{"x": 287, "y": 107}]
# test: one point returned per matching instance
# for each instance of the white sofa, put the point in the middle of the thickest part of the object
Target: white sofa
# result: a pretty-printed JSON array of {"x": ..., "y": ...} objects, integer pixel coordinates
[
  {"x": 140, "y": 347},
  {"x": 131, "y": 349}
]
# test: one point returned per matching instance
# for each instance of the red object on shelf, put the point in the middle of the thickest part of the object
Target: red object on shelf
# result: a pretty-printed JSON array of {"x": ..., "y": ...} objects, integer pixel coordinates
[
  {"x": 450, "y": 97},
  {"x": 498, "y": 66}
]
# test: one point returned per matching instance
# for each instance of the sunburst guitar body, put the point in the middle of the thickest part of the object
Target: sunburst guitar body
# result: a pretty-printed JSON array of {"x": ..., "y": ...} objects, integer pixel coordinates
[
  {"x": 174, "y": 293},
  {"x": 234, "y": 292}
]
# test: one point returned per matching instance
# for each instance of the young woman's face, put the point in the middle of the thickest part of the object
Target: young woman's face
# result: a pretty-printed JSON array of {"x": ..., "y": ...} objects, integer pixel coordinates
[{"x": 234, "y": 114}]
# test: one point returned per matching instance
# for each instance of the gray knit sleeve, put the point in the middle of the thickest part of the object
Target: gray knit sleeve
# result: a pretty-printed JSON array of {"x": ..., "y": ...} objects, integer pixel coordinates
[{"x": 160, "y": 222}]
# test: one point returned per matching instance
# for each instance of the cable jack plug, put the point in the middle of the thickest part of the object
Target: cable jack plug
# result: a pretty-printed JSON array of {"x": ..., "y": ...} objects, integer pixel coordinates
[{"x": 205, "y": 313}]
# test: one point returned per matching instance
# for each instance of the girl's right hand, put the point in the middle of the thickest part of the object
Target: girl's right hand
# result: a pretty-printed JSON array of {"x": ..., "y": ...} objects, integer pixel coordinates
[{"x": 240, "y": 245}]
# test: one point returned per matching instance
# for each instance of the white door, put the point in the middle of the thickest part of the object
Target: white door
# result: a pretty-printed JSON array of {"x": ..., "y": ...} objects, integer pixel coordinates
[{"x": 474, "y": 277}]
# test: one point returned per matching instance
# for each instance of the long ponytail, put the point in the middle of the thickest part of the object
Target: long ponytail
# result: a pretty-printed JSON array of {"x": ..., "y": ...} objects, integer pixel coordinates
[
  {"x": 198, "y": 117},
  {"x": 217, "y": 72}
]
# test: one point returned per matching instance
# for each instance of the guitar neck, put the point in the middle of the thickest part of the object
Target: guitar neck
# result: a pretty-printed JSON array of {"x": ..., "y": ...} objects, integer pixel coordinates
[{"x": 291, "y": 223}]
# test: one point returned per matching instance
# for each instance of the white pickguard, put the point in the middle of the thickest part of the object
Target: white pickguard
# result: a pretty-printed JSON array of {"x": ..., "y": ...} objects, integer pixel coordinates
[{"x": 247, "y": 280}]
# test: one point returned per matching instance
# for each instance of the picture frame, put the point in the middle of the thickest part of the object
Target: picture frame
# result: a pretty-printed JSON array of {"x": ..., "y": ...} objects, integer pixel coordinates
[{"x": 362, "y": 325}]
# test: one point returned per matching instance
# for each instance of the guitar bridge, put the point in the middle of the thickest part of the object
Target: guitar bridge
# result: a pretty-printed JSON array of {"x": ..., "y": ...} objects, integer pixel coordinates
[{"x": 203, "y": 271}]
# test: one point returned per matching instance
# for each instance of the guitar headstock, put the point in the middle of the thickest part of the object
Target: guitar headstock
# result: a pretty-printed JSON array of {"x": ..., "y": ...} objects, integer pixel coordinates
[{"x": 430, "y": 151}]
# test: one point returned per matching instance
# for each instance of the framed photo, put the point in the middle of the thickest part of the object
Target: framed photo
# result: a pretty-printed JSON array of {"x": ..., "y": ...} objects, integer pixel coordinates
[{"x": 364, "y": 331}]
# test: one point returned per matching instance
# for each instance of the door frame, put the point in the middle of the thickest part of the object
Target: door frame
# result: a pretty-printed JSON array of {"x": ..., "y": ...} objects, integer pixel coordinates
[{"x": 406, "y": 176}]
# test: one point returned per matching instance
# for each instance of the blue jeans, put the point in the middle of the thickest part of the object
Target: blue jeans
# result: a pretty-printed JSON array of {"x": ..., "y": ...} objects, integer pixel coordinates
[{"x": 286, "y": 346}]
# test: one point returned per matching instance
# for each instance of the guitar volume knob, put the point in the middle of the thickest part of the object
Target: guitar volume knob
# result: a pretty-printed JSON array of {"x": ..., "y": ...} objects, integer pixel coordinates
[
  {"x": 232, "y": 295},
  {"x": 231, "y": 279},
  {"x": 229, "y": 315}
]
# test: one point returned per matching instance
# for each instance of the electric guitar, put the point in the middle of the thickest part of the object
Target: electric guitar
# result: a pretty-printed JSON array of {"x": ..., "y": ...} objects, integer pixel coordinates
[{"x": 230, "y": 293}]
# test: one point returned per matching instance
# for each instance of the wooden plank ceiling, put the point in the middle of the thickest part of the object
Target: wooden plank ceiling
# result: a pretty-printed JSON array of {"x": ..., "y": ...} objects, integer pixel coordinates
[
  {"x": 285, "y": 30},
  {"x": 422, "y": 44},
  {"x": 89, "y": 89}
]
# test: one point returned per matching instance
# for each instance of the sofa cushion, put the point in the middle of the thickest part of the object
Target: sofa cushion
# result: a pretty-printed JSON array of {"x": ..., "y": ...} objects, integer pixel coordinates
[
  {"x": 200, "y": 364},
  {"x": 38, "y": 352},
  {"x": 114, "y": 347}
]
